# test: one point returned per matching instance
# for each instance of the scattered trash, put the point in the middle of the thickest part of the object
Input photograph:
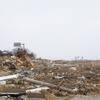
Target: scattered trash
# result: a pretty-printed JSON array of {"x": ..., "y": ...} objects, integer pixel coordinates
[
  {"x": 27, "y": 72},
  {"x": 65, "y": 77},
  {"x": 2, "y": 82},
  {"x": 81, "y": 77},
  {"x": 75, "y": 89},
  {"x": 59, "y": 77},
  {"x": 36, "y": 90},
  {"x": 73, "y": 68}
]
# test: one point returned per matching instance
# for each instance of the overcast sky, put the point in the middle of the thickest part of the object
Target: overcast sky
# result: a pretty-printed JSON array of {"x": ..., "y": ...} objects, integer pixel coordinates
[{"x": 53, "y": 29}]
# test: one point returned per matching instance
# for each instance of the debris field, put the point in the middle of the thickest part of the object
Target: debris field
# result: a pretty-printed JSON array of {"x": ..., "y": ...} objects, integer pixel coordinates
[{"x": 77, "y": 77}]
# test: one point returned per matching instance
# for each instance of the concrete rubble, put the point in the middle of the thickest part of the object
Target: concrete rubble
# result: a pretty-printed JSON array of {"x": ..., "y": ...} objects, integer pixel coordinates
[{"x": 63, "y": 78}]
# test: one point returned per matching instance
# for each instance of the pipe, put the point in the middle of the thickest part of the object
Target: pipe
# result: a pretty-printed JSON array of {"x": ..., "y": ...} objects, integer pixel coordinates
[
  {"x": 9, "y": 77},
  {"x": 48, "y": 84}
]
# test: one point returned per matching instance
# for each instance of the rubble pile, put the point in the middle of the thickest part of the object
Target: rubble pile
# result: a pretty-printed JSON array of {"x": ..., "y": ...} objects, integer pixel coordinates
[{"x": 81, "y": 77}]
